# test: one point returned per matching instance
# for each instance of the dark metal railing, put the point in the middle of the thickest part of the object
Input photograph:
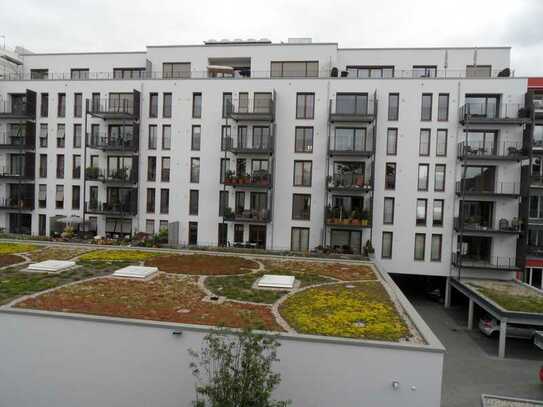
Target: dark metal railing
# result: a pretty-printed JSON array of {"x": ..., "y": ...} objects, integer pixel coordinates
[
  {"x": 342, "y": 216},
  {"x": 487, "y": 262},
  {"x": 501, "y": 111},
  {"x": 236, "y": 145},
  {"x": 12, "y": 139},
  {"x": 256, "y": 215},
  {"x": 119, "y": 175},
  {"x": 478, "y": 224},
  {"x": 112, "y": 106},
  {"x": 24, "y": 172},
  {"x": 507, "y": 149},
  {"x": 257, "y": 179},
  {"x": 112, "y": 208},
  {"x": 474, "y": 187},
  {"x": 15, "y": 202},
  {"x": 349, "y": 181},
  {"x": 129, "y": 141}
]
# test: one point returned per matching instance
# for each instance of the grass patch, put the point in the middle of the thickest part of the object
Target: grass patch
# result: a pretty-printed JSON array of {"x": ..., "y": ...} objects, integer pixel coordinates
[
  {"x": 364, "y": 312},
  {"x": 10, "y": 259},
  {"x": 14, "y": 282},
  {"x": 164, "y": 298},
  {"x": 12, "y": 248},
  {"x": 202, "y": 264},
  {"x": 340, "y": 271},
  {"x": 118, "y": 255},
  {"x": 240, "y": 287},
  {"x": 512, "y": 296},
  {"x": 57, "y": 253}
]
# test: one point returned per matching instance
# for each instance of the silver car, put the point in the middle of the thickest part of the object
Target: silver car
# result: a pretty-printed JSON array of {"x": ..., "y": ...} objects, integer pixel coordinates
[{"x": 490, "y": 326}]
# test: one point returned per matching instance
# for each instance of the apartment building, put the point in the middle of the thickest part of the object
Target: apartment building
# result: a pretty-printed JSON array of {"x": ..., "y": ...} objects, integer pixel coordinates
[{"x": 425, "y": 152}]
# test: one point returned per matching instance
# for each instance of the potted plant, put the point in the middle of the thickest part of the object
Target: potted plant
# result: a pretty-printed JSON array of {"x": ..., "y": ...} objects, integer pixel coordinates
[
  {"x": 355, "y": 218},
  {"x": 91, "y": 172}
]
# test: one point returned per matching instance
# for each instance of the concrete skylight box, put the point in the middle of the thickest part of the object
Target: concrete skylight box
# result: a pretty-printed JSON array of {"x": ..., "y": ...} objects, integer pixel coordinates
[
  {"x": 276, "y": 281},
  {"x": 136, "y": 272},
  {"x": 51, "y": 266}
]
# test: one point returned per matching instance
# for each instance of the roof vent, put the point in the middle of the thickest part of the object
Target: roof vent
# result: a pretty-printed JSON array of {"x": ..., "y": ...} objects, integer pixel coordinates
[
  {"x": 225, "y": 40},
  {"x": 210, "y": 41},
  {"x": 300, "y": 40},
  {"x": 238, "y": 40},
  {"x": 251, "y": 40}
]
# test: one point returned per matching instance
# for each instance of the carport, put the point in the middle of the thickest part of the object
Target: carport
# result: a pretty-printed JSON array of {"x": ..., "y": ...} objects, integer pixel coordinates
[{"x": 501, "y": 314}]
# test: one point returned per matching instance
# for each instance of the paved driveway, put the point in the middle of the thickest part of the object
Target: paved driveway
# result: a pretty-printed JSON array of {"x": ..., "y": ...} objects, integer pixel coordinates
[{"x": 471, "y": 363}]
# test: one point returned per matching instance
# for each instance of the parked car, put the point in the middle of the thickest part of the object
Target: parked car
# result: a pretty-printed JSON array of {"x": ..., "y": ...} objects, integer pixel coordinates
[{"x": 490, "y": 326}]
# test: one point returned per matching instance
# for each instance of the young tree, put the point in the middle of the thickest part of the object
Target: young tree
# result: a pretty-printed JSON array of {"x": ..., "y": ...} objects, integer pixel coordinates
[{"x": 235, "y": 370}]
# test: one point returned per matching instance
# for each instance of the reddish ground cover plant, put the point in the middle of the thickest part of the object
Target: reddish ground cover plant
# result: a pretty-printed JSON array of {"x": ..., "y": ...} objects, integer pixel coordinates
[
  {"x": 341, "y": 271},
  {"x": 202, "y": 264},
  {"x": 10, "y": 259}
]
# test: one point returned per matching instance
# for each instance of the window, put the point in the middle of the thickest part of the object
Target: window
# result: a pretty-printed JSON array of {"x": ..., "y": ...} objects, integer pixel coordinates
[
  {"x": 390, "y": 175},
  {"x": 439, "y": 178},
  {"x": 165, "y": 170},
  {"x": 78, "y": 104},
  {"x": 393, "y": 106},
  {"x": 486, "y": 106},
  {"x": 195, "y": 170},
  {"x": 195, "y": 138},
  {"x": 60, "y": 165},
  {"x": 59, "y": 197},
  {"x": 43, "y": 135},
  {"x": 441, "y": 143},
  {"x": 128, "y": 73},
  {"x": 43, "y": 165},
  {"x": 153, "y": 105},
  {"x": 164, "y": 201},
  {"x": 42, "y": 196},
  {"x": 226, "y": 104},
  {"x": 61, "y": 107},
  {"x": 435, "y": 249},
  {"x": 392, "y": 141},
  {"x": 76, "y": 168},
  {"x": 386, "y": 247},
  {"x": 93, "y": 197},
  {"x": 76, "y": 199},
  {"x": 150, "y": 200},
  {"x": 426, "y": 107},
  {"x": 303, "y": 142},
  {"x": 364, "y": 71},
  {"x": 443, "y": 107},
  {"x": 193, "y": 233},
  {"x": 150, "y": 226},
  {"x": 424, "y": 71},
  {"x": 422, "y": 184},
  {"x": 79, "y": 74},
  {"x": 151, "y": 168},
  {"x": 478, "y": 71},
  {"x": 299, "y": 239},
  {"x": 196, "y": 105},
  {"x": 352, "y": 103},
  {"x": 437, "y": 212},
  {"x": 77, "y": 135},
  {"x": 152, "y": 137},
  {"x": 238, "y": 234},
  {"x": 420, "y": 243},
  {"x": 167, "y": 105},
  {"x": 95, "y": 102},
  {"x": 223, "y": 202},
  {"x": 352, "y": 139},
  {"x": 302, "y": 173},
  {"x": 226, "y": 137},
  {"x": 166, "y": 137},
  {"x": 193, "y": 202},
  {"x": 261, "y": 137},
  {"x": 176, "y": 70},
  {"x": 480, "y": 142},
  {"x": 422, "y": 205},
  {"x": 424, "y": 142},
  {"x": 388, "y": 211},
  {"x": 162, "y": 225},
  {"x": 305, "y": 105},
  {"x": 225, "y": 166},
  {"x": 61, "y": 135},
  {"x": 295, "y": 69},
  {"x": 301, "y": 206},
  {"x": 44, "y": 107},
  {"x": 39, "y": 74}
]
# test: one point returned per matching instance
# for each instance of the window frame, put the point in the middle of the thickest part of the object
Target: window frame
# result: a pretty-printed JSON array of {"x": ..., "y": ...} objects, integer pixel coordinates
[
  {"x": 423, "y": 118},
  {"x": 440, "y": 253},
  {"x": 303, "y": 197},
  {"x": 303, "y": 164},
  {"x": 442, "y": 188},
  {"x": 425, "y": 186},
  {"x": 440, "y": 109},
  {"x": 423, "y": 257},
  {"x": 421, "y": 221},
  {"x": 388, "y": 253},
  {"x": 428, "y": 134},
  {"x": 396, "y": 116},
  {"x": 307, "y": 141},
  {"x": 385, "y": 200},
  {"x": 305, "y": 114}
]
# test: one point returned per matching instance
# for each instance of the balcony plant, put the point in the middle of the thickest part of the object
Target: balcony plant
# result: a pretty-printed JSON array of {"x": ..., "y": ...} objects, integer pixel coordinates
[
  {"x": 92, "y": 172},
  {"x": 228, "y": 213},
  {"x": 355, "y": 218},
  {"x": 364, "y": 218}
]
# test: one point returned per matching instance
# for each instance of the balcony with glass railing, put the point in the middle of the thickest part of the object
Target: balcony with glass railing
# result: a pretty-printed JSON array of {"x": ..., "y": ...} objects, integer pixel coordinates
[
  {"x": 481, "y": 225},
  {"x": 247, "y": 215},
  {"x": 493, "y": 113},
  {"x": 349, "y": 183},
  {"x": 114, "y": 143},
  {"x": 116, "y": 176},
  {"x": 470, "y": 187},
  {"x": 505, "y": 151},
  {"x": 343, "y": 218},
  {"x": 261, "y": 108},
  {"x": 112, "y": 208},
  {"x": 352, "y": 109},
  {"x": 116, "y": 107},
  {"x": 13, "y": 140},
  {"x": 255, "y": 146},
  {"x": 351, "y": 142},
  {"x": 257, "y": 180},
  {"x": 473, "y": 261}
]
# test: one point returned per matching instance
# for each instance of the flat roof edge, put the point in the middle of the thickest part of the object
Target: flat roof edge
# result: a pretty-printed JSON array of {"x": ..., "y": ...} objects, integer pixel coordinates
[
  {"x": 241, "y": 44},
  {"x": 32, "y": 54},
  {"x": 417, "y": 48}
]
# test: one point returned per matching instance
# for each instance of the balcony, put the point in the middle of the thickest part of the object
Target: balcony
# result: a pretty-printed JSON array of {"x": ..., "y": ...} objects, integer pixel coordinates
[
  {"x": 24, "y": 203},
  {"x": 118, "y": 176},
  {"x": 534, "y": 101},
  {"x": 265, "y": 147},
  {"x": 354, "y": 184},
  {"x": 534, "y": 251},
  {"x": 488, "y": 263},
  {"x": 247, "y": 215},
  {"x": 127, "y": 209},
  {"x": 252, "y": 110},
  {"x": 506, "y": 151},
  {"x": 258, "y": 180},
  {"x": 500, "y": 189},
  {"x": 19, "y": 107},
  {"x": 126, "y": 143},
  {"x": 361, "y": 112},
  {"x": 342, "y": 218},
  {"x": 476, "y": 225},
  {"x": 126, "y": 107},
  {"x": 490, "y": 114}
]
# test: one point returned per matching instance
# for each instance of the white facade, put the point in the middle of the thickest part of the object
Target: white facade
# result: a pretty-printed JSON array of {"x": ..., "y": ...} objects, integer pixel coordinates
[{"x": 447, "y": 75}]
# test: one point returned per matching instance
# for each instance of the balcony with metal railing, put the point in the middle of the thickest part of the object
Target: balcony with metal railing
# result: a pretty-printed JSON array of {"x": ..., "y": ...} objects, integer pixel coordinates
[
  {"x": 498, "y": 189},
  {"x": 263, "y": 146},
  {"x": 257, "y": 180},
  {"x": 117, "y": 176},
  {"x": 258, "y": 109},
  {"x": 480, "y": 151},
  {"x": 120, "y": 209},
  {"x": 478, "y": 225},
  {"x": 493, "y": 114},
  {"x": 17, "y": 110},
  {"x": 10, "y": 140},
  {"x": 14, "y": 202},
  {"x": 341, "y": 218},
  {"x": 351, "y": 184},
  {"x": 126, "y": 107},
  {"x": 247, "y": 215},
  {"x": 358, "y": 144},
  {"x": 119, "y": 143},
  {"x": 501, "y": 263},
  {"x": 363, "y": 110}
]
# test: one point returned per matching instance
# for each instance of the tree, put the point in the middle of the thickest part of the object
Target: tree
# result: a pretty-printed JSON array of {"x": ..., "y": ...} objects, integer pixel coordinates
[{"x": 235, "y": 370}]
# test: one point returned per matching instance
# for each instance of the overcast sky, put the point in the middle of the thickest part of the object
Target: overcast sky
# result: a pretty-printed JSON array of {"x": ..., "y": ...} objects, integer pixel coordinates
[{"x": 114, "y": 25}]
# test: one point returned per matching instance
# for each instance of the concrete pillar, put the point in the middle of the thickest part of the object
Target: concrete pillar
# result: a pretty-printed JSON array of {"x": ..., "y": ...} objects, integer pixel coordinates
[
  {"x": 470, "y": 314},
  {"x": 501, "y": 345},
  {"x": 448, "y": 293}
]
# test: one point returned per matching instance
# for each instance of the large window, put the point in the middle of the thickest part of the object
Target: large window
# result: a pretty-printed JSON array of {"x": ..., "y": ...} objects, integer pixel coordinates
[
  {"x": 43, "y": 165},
  {"x": 478, "y": 71},
  {"x": 364, "y": 71},
  {"x": 60, "y": 165},
  {"x": 150, "y": 200},
  {"x": 422, "y": 182},
  {"x": 196, "y": 105},
  {"x": 301, "y": 206},
  {"x": 193, "y": 202},
  {"x": 349, "y": 174},
  {"x": 302, "y": 173},
  {"x": 61, "y": 135},
  {"x": 195, "y": 170},
  {"x": 261, "y": 137},
  {"x": 195, "y": 139},
  {"x": 390, "y": 175},
  {"x": 443, "y": 107},
  {"x": 77, "y": 135},
  {"x": 225, "y": 166},
  {"x": 193, "y": 233},
  {"x": 61, "y": 105},
  {"x": 44, "y": 132},
  {"x": 352, "y": 139},
  {"x": 437, "y": 212},
  {"x": 44, "y": 106},
  {"x": 59, "y": 197},
  {"x": 424, "y": 142},
  {"x": 393, "y": 106},
  {"x": 424, "y": 71},
  {"x": 486, "y": 106},
  {"x": 299, "y": 239},
  {"x": 76, "y": 167},
  {"x": 176, "y": 70},
  {"x": 79, "y": 73},
  {"x": 164, "y": 201},
  {"x": 420, "y": 246},
  {"x": 303, "y": 142},
  {"x": 441, "y": 143},
  {"x": 480, "y": 142},
  {"x": 295, "y": 69},
  {"x": 435, "y": 249},
  {"x": 166, "y": 137},
  {"x": 422, "y": 206},
  {"x": 167, "y": 105},
  {"x": 392, "y": 141},
  {"x": 388, "y": 211},
  {"x": 151, "y": 168},
  {"x": 165, "y": 171},
  {"x": 152, "y": 137},
  {"x": 226, "y": 104},
  {"x": 223, "y": 202},
  {"x": 78, "y": 104},
  {"x": 128, "y": 73},
  {"x": 352, "y": 103},
  {"x": 305, "y": 105},
  {"x": 479, "y": 179},
  {"x": 386, "y": 246},
  {"x": 426, "y": 107},
  {"x": 153, "y": 105},
  {"x": 76, "y": 199},
  {"x": 439, "y": 178},
  {"x": 42, "y": 196}
]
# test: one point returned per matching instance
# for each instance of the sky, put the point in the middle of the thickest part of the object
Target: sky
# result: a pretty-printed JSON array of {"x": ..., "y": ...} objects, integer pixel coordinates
[{"x": 122, "y": 25}]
